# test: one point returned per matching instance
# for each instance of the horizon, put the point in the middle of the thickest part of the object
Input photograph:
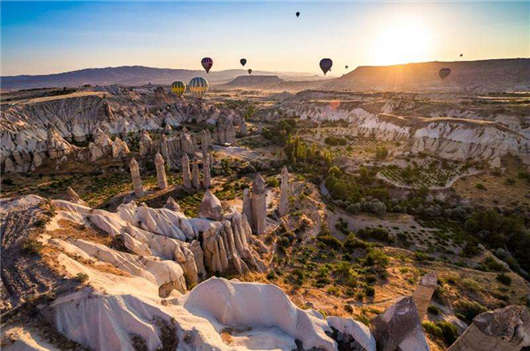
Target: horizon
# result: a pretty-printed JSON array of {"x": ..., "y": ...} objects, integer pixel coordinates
[{"x": 40, "y": 38}]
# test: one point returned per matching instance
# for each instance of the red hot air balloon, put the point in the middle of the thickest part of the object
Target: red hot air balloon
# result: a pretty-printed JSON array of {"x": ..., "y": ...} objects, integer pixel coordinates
[
  {"x": 249, "y": 71},
  {"x": 243, "y": 61},
  {"x": 207, "y": 63},
  {"x": 444, "y": 72},
  {"x": 325, "y": 65}
]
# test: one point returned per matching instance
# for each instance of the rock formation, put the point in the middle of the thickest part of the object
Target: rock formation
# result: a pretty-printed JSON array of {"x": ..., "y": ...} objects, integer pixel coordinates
[
  {"x": 186, "y": 143},
  {"x": 255, "y": 205},
  {"x": 119, "y": 148},
  {"x": 423, "y": 293},
  {"x": 226, "y": 133},
  {"x": 399, "y": 328},
  {"x": 211, "y": 207},
  {"x": 136, "y": 179},
  {"x": 506, "y": 329},
  {"x": 172, "y": 205},
  {"x": 206, "y": 171},
  {"x": 205, "y": 141},
  {"x": 243, "y": 129},
  {"x": 160, "y": 171},
  {"x": 195, "y": 176},
  {"x": 283, "y": 207},
  {"x": 145, "y": 144},
  {"x": 72, "y": 196},
  {"x": 186, "y": 173}
]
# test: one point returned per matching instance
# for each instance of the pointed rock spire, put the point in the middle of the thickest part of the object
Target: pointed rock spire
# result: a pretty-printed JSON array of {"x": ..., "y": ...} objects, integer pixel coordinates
[
  {"x": 160, "y": 171},
  {"x": 136, "y": 179}
]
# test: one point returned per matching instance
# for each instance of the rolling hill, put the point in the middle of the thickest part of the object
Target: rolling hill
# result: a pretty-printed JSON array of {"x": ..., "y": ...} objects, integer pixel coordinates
[{"x": 483, "y": 75}]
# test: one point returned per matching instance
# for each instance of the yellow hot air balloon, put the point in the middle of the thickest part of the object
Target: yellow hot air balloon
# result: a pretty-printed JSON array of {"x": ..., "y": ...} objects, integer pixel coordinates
[
  {"x": 178, "y": 87},
  {"x": 198, "y": 86}
]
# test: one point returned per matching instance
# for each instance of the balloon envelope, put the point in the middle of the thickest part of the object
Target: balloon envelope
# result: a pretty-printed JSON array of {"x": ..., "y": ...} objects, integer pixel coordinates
[
  {"x": 249, "y": 70},
  {"x": 297, "y": 14},
  {"x": 325, "y": 65},
  {"x": 346, "y": 66},
  {"x": 444, "y": 72},
  {"x": 198, "y": 86},
  {"x": 207, "y": 63},
  {"x": 243, "y": 61},
  {"x": 178, "y": 87}
]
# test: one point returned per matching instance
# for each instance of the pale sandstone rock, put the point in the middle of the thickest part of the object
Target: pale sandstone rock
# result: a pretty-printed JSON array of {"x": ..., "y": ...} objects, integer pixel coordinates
[
  {"x": 283, "y": 207},
  {"x": 160, "y": 171},
  {"x": 186, "y": 173},
  {"x": 506, "y": 329},
  {"x": 211, "y": 207},
  {"x": 119, "y": 148},
  {"x": 172, "y": 204},
  {"x": 206, "y": 182},
  {"x": 145, "y": 144},
  {"x": 195, "y": 176},
  {"x": 399, "y": 327},
  {"x": 136, "y": 179}
]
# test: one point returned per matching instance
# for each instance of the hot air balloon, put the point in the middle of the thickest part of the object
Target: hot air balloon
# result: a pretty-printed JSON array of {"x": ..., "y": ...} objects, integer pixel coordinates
[
  {"x": 243, "y": 61},
  {"x": 346, "y": 66},
  {"x": 178, "y": 87},
  {"x": 297, "y": 13},
  {"x": 325, "y": 65},
  {"x": 461, "y": 55},
  {"x": 444, "y": 72},
  {"x": 198, "y": 86},
  {"x": 207, "y": 63},
  {"x": 249, "y": 70}
]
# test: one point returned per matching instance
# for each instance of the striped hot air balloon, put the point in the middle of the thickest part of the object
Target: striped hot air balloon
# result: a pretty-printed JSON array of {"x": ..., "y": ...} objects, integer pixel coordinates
[
  {"x": 198, "y": 86},
  {"x": 178, "y": 87}
]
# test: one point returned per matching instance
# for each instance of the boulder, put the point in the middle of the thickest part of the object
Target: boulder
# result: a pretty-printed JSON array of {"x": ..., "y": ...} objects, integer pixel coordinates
[
  {"x": 211, "y": 207},
  {"x": 400, "y": 326}
]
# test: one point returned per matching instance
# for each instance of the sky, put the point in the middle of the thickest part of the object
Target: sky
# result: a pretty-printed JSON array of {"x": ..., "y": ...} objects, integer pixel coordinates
[{"x": 43, "y": 37}]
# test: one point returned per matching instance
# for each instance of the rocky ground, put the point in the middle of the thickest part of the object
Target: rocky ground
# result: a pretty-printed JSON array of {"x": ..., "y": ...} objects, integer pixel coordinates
[{"x": 134, "y": 220}]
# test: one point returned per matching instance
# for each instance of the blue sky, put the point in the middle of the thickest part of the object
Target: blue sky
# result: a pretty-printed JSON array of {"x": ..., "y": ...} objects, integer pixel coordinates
[{"x": 46, "y": 37}]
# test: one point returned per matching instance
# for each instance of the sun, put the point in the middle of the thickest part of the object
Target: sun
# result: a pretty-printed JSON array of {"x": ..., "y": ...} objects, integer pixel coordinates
[{"x": 402, "y": 40}]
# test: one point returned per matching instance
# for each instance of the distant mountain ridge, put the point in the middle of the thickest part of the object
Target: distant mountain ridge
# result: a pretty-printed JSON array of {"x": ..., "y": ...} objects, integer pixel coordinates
[
  {"x": 124, "y": 75},
  {"x": 487, "y": 75}
]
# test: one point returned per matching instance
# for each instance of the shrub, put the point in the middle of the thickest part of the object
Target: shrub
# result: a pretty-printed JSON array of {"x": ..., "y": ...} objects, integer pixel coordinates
[
  {"x": 82, "y": 277},
  {"x": 330, "y": 241},
  {"x": 449, "y": 332},
  {"x": 504, "y": 279},
  {"x": 492, "y": 265},
  {"x": 369, "y": 291},
  {"x": 480, "y": 186},
  {"x": 377, "y": 257},
  {"x": 432, "y": 328},
  {"x": 467, "y": 310},
  {"x": 352, "y": 242},
  {"x": 433, "y": 310},
  {"x": 32, "y": 247},
  {"x": 378, "y": 234},
  {"x": 333, "y": 140}
]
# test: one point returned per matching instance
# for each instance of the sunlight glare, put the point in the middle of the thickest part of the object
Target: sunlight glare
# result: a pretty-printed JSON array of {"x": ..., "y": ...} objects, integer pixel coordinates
[{"x": 402, "y": 40}]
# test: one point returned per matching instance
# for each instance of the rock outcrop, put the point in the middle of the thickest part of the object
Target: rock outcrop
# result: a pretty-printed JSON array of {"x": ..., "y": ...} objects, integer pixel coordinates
[
  {"x": 423, "y": 293},
  {"x": 211, "y": 207},
  {"x": 399, "y": 328},
  {"x": 160, "y": 171},
  {"x": 255, "y": 205},
  {"x": 506, "y": 329},
  {"x": 136, "y": 178},
  {"x": 145, "y": 144},
  {"x": 38, "y": 130},
  {"x": 195, "y": 176},
  {"x": 186, "y": 173},
  {"x": 283, "y": 207},
  {"x": 450, "y": 138},
  {"x": 207, "y": 177}
]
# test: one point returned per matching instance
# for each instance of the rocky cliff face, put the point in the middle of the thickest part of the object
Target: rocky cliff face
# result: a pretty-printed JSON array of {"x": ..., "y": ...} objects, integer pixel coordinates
[
  {"x": 450, "y": 138},
  {"x": 80, "y": 117}
]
